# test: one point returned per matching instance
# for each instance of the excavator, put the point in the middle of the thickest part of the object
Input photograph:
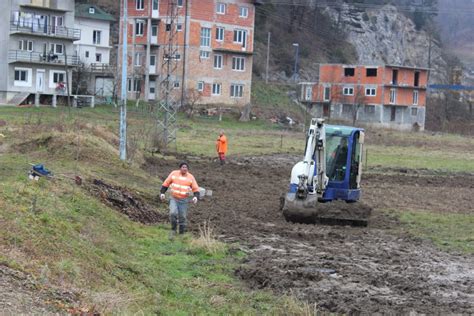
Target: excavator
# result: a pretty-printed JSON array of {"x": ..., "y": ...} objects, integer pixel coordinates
[{"x": 325, "y": 185}]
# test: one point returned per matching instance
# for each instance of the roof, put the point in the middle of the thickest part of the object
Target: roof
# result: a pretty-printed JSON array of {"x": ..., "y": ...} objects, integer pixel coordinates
[
  {"x": 341, "y": 130},
  {"x": 82, "y": 11}
]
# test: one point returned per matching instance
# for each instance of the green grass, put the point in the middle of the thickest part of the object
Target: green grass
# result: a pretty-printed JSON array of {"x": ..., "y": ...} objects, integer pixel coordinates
[
  {"x": 420, "y": 158},
  {"x": 450, "y": 232}
]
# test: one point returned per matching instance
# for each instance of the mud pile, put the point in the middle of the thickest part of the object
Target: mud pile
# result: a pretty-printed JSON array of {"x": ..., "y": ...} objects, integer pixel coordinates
[{"x": 125, "y": 202}]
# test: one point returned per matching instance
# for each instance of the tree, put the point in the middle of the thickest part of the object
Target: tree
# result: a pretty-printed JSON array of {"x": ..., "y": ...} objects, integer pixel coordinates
[{"x": 191, "y": 98}]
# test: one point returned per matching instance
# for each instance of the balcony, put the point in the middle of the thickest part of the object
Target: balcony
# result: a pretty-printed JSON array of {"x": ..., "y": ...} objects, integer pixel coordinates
[
  {"x": 22, "y": 56},
  {"x": 40, "y": 29},
  {"x": 103, "y": 68}
]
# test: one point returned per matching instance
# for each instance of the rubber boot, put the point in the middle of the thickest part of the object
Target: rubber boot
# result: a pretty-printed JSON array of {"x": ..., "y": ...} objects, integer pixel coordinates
[{"x": 182, "y": 229}]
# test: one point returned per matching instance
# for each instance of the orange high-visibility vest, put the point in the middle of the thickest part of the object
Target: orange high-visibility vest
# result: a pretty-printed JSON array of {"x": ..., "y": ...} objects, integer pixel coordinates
[
  {"x": 181, "y": 186},
  {"x": 221, "y": 144}
]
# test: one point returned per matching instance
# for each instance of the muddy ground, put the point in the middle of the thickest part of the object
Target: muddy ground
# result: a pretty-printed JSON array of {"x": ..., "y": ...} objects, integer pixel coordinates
[{"x": 376, "y": 269}]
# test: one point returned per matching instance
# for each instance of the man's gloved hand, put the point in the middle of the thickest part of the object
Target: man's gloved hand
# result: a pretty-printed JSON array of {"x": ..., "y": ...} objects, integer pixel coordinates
[
  {"x": 162, "y": 196},
  {"x": 195, "y": 200}
]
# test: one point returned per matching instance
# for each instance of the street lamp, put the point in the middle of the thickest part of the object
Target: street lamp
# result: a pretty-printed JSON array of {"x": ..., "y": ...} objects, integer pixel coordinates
[{"x": 295, "y": 70}]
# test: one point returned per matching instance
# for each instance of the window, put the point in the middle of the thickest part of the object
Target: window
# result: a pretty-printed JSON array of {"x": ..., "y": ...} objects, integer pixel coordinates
[
  {"x": 370, "y": 91},
  {"x": 176, "y": 84},
  {"x": 140, "y": 4},
  {"x": 393, "y": 96},
  {"x": 220, "y": 8},
  {"x": 415, "y": 97},
  {"x": 204, "y": 54},
  {"x": 96, "y": 37},
  {"x": 138, "y": 59},
  {"x": 139, "y": 28},
  {"x": 179, "y": 3},
  {"x": 216, "y": 88},
  {"x": 243, "y": 12},
  {"x": 395, "y": 76},
  {"x": 369, "y": 109},
  {"x": 58, "y": 77},
  {"x": 154, "y": 30},
  {"x": 236, "y": 90},
  {"x": 239, "y": 36},
  {"x": 308, "y": 93},
  {"x": 200, "y": 86},
  {"x": 98, "y": 58},
  {"x": 176, "y": 56},
  {"x": 56, "y": 48},
  {"x": 348, "y": 91},
  {"x": 349, "y": 72},
  {"x": 205, "y": 37},
  {"x": 154, "y": 5},
  {"x": 26, "y": 45},
  {"x": 327, "y": 93},
  {"x": 371, "y": 72},
  {"x": 21, "y": 75},
  {"x": 414, "y": 111},
  {"x": 238, "y": 63},
  {"x": 136, "y": 85},
  {"x": 217, "y": 61},
  {"x": 87, "y": 54},
  {"x": 91, "y": 10},
  {"x": 417, "y": 79},
  {"x": 219, "y": 34},
  {"x": 179, "y": 27}
]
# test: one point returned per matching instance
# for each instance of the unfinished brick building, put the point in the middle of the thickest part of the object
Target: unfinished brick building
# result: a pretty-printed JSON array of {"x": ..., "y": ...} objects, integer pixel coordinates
[
  {"x": 213, "y": 41},
  {"x": 388, "y": 95}
]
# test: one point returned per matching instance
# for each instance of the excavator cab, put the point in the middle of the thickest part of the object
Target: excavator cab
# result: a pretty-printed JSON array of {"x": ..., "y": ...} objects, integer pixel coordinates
[
  {"x": 330, "y": 172},
  {"x": 344, "y": 163}
]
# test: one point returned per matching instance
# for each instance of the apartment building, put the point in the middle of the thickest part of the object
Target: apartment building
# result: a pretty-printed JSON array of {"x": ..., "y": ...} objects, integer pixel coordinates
[
  {"x": 214, "y": 48},
  {"x": 97, "y": 71},
  {"x": 388, "y": 95},
  {"x": 37, "y": 53}
]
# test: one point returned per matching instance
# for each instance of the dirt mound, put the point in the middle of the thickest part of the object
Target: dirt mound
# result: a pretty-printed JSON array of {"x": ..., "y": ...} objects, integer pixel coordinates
[
  {"x": 343, "y": 269},
  {"x": 125, "y": 202}
]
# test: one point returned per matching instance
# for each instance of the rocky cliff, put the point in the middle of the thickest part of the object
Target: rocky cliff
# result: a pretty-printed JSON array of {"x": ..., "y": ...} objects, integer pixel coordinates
[{"x": 386, "y": 36}]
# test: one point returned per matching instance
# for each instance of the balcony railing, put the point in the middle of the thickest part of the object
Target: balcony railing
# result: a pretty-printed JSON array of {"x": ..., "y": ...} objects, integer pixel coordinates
[
  {"x": 103, "y": 68},
  {"x": 35, "y": 57},
  {"x": 42, "y": 29}
]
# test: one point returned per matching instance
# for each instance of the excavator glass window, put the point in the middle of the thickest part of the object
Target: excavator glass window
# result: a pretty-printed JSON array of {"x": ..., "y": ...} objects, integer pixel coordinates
[{"x": 336, "y": 157}]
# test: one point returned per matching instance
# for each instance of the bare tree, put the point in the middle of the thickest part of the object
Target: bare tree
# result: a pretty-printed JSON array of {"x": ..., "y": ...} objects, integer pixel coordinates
[{"x": 192, "y": 97}]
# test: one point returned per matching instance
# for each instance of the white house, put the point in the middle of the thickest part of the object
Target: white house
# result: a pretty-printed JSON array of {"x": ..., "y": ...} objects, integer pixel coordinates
[{"x": 94, "y": 49}]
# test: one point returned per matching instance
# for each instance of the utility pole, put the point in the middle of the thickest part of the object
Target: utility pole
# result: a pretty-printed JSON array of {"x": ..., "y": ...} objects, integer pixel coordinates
[
  {"x": 295, "y": 71},
  {"x": 123, "y": 90},
  {"x": 268, "y": 57},
  {"x": 168, "y": 104}
]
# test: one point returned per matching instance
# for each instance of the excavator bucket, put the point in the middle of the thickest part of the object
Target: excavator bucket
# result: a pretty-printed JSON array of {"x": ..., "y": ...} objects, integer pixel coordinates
[{"x": 312, "y": 211}]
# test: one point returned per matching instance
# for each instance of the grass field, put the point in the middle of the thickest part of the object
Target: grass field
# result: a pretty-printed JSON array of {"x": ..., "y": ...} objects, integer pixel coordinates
[{"x": 63, "y": 236}]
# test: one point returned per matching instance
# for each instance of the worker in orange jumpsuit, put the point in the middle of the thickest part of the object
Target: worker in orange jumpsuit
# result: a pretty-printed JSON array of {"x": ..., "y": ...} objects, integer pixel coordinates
[
  {"x": 182, "y": 185},
  {"x": 221, "y": 147}
]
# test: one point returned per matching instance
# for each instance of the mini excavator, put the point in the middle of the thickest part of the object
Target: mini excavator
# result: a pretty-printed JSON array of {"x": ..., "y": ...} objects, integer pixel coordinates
[{"x": 325, "y": 185}]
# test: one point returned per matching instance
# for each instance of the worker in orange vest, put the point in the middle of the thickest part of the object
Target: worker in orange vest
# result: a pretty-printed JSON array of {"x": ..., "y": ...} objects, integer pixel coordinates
[
  {"x": 182, "y": 185},
  {"x": 221, "y": 147}
]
